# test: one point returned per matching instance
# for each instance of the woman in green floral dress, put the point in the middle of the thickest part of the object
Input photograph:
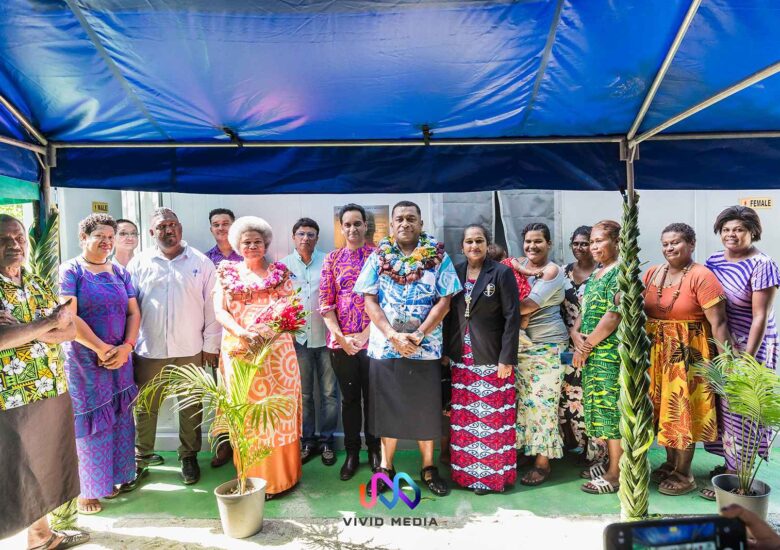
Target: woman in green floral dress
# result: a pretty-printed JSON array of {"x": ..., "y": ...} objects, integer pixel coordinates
[{"x": 596, "y": 344}]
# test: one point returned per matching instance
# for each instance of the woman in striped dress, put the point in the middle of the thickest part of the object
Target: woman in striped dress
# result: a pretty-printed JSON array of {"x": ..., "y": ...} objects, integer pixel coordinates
[{"x": 750, "y": 279}]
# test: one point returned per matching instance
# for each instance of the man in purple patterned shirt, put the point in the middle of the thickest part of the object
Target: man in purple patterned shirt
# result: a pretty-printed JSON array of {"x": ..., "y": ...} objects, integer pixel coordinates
[
  {"x": 347, "y": 321},
  {"x": 220, "y": 220}
]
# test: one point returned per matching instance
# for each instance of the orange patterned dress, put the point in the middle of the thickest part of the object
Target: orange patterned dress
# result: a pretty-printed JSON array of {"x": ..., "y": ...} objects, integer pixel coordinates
[
  {"x": 684, "y": 406},
  {"x": 245, "y": 299}
]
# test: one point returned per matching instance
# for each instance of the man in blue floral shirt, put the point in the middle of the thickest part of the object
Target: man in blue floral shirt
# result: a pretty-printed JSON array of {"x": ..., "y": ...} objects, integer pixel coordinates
[{"x": 407, "y": 284}]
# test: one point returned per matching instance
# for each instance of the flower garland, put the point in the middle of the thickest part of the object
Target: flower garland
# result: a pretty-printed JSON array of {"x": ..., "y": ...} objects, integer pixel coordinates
[
  {"x": 233, "y": 284},
  {"x": 407, "y": 269}
]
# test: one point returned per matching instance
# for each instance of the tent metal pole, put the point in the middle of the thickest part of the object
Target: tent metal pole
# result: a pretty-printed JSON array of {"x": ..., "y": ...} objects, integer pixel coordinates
[
  {"x": 342, "y": 143},
  {"x": 659, "y": 77},
  {"x": 715, "y": 135},
  {"x": 23, "y": 120},
  {"x": 45, "y": 206},
  {"x": 731, "y": 90},
  {"x": 23, "y": 145}
]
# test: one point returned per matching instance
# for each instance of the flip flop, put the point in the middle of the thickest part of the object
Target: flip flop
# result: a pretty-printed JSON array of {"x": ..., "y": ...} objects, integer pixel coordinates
[
  {"x": 683, "y": 485},
  {"x": 543, "y": 475},
  {"x": 68, "y": 541},
  {"x": 595, "y": 471},
  {"x": 661, "y": 473},
  {"x": 707, "y": 493},
  {"x": 86, "y": 512},
  {"x": 600, "y": 486}
]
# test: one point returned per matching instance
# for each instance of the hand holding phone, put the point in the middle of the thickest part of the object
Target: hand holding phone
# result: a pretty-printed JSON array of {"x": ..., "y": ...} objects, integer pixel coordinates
[{"x": 697, "y": 533}]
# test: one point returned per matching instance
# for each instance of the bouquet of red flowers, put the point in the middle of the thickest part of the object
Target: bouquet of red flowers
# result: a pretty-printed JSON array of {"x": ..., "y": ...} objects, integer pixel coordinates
[{"x": 284, "y": 316}]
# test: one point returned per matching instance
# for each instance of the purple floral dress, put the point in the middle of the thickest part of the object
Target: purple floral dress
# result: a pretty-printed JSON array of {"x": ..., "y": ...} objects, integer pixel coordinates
[{"x": 102, "y": 398}]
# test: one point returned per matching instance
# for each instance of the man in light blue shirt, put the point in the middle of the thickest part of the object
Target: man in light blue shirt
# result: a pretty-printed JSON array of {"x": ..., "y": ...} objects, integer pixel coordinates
[{"x": 313, "y": 356}]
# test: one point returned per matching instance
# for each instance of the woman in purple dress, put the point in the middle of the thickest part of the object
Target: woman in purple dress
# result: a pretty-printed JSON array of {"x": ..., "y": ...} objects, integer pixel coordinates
[
  {"x": 750, "y": 279},
  {"x": 98, "y": 364}
]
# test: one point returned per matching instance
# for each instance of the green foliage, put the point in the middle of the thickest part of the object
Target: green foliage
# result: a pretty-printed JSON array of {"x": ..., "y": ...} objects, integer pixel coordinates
[
  {"x": 45, "y": 249},
  {"x": 226, "y": 404},
  {"x": 636, "y": 410},
  {"x": 753, "y": 392}
]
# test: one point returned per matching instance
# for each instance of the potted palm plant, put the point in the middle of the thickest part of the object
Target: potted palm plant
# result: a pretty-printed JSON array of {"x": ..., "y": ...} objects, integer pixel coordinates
[
  {"x": 234, "y": 415},
  {"x": 753, "y": 392}
]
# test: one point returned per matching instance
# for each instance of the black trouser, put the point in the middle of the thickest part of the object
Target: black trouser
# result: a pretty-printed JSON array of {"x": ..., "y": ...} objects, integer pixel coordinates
[{"x": 352, "y": 374}]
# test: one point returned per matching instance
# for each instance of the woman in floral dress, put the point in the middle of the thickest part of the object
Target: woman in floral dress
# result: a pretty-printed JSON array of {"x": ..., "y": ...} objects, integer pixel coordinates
[
  {"x": 539, "y": 370},
  {"x": 243, "y": 292},
  {"x": 570, "y": 412}
]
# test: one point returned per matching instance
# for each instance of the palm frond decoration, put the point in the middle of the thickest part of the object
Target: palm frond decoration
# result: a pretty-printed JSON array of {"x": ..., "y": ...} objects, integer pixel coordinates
[
  {"x": 234, "y": 416},
  {"x": 45, "y": 249},
  {"x": 752, "y": 391},
  {"x": 636, "y": 410}
]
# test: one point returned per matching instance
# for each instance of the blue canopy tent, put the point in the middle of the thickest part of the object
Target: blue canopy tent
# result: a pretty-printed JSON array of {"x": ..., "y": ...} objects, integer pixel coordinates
[
  {"x": 322, "y": 96},
  {"x": 302, "y": 96}
]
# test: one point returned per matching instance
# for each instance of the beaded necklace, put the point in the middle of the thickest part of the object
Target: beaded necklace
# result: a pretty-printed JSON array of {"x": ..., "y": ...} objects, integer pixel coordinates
[{"x": 676, "y": 293}]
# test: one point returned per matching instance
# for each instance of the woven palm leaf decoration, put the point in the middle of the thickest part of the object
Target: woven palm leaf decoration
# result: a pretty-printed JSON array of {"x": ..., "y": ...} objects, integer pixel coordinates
[
  {"x": 44, "y": 258},
  {"x": 636, "y": 410}
]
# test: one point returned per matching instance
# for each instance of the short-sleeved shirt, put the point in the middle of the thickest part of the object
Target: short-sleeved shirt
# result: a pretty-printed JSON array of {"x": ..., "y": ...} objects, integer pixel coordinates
[
  {"x": 599, "y": 300},
  {"x": 700, "y": 290},
  {"x": 407, "y": 305},
  {"x": 339, "y": 273},
  {"x": 32, "y": 371},
  {"x": 740, "y": 280},
  {"x": 545, "y": 325}
]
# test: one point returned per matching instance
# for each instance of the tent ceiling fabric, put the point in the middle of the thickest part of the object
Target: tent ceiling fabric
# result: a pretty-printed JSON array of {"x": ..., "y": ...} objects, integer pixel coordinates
[{"x": 183, "y": 70}]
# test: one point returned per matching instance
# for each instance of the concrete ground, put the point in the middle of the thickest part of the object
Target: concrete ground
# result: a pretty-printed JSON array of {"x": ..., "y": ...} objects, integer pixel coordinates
[{"x": 321, "y": 512}]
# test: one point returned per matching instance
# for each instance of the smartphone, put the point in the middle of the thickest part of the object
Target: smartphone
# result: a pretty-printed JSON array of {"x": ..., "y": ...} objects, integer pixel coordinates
[
  {"x": 566, "y": 357},
  {"x": 698, "y": 533}
]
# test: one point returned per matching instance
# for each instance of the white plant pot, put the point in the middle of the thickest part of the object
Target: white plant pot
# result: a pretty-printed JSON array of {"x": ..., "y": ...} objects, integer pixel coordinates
[
  {"x": 724, "y": 484},
  {"x": 241, "y": 515}
]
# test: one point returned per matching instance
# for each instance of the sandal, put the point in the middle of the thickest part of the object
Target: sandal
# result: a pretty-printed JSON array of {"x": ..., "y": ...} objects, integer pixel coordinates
[
  {"x": 543, "y": 475},
  {"x": 600, "y": 486},
  {"x": 68, "y": 541},
  {"x": 708, "y": 493},
  {"x": 115, "y": 493},
  {"x": 430, "y": 476},
  {"x": 595, "y": 471},
  {"x": 677, "y": 484},
  {"x": 96, "y": 508},
  {"x": 662, "y": 472}
]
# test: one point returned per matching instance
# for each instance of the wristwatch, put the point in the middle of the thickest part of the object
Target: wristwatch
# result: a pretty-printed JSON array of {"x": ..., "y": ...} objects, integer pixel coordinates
[{"x": 419, "y": 336}]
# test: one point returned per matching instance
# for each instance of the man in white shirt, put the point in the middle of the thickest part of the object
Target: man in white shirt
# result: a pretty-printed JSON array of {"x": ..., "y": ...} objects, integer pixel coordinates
[
  {"x": 174, "y": 283},
  {"x": 313, "y": 356}
]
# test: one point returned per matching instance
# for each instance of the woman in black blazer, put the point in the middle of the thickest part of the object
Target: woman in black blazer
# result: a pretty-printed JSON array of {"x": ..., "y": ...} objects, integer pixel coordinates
[{"x": 481, "y": 339}]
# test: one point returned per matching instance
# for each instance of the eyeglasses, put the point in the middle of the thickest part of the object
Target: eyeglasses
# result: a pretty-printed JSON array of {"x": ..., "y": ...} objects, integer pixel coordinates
[
  {"x": 123, "y": 234},
  {"x": 303, "y": 234}
]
